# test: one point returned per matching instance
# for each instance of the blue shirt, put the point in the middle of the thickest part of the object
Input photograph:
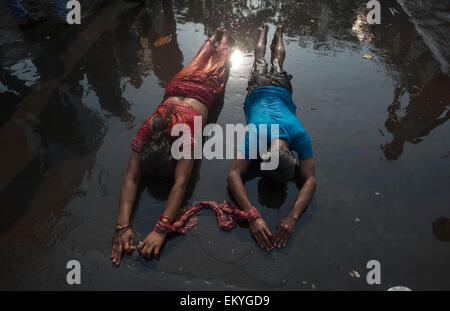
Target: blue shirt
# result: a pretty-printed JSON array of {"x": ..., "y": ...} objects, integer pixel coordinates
[{"x": 274, "y": 105}]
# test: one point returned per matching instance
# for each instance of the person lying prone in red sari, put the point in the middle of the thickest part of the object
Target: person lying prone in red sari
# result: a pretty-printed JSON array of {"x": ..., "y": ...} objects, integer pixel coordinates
[{"x": 192, "y": 92}]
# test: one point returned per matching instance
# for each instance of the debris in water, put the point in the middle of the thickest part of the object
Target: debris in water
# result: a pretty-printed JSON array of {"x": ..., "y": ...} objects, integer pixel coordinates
[
  {"x": 357, "y": 219},
  {"x": 445, "y": 156},
  {"x": 143, "y": 42},
  {"x": 367, "y": 56},
  {"x": 377, "y": 193},
  {"x": 163, "y": 41},
  {"x": 354, "y": 274},
  {"x": 399, "y": 289},
  {"x": 441, "y": 229}
]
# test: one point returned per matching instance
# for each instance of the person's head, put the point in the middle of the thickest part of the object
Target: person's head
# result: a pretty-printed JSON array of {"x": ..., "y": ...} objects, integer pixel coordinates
[
  {"x": 156, "y": 157},
  {"x": 286, "y": 162}
]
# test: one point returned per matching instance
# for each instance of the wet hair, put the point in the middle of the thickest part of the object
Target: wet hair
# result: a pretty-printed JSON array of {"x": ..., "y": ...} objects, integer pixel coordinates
[
  {"x": 156, "y": 158},
  {"x": 286, "y": 166}
]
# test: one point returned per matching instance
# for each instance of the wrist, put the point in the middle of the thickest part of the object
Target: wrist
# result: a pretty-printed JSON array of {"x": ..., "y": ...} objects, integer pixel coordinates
[
  {"x": 123, "y": 222},
  {"x": 253, "y": 215},
  {"x": 123, "y": 218},
  {"x": 294, "y": 217},
  {"x": 166, "y": 219},
  {"x": 163, "y": 234},
  {"x": 123, "y": 227},
  {"x": 252, "y": 221},
  {"x": 163, "y": 226}
]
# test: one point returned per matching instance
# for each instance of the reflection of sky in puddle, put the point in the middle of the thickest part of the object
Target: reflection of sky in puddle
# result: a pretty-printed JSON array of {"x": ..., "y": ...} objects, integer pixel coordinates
[
  {"x": 361, "y": 28},
  {"x": 25, "y": 71},
  {"x": 335, "y": 90},
  {"x": 4, "y": 89}
]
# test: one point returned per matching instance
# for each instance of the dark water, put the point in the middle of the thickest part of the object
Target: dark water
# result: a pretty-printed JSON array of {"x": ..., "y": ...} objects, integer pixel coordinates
[{"x": 71, "y": 105}]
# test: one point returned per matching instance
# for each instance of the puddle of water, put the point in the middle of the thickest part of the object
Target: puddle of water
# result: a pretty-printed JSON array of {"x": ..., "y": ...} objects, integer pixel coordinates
[{"x": 377, "y": 125}]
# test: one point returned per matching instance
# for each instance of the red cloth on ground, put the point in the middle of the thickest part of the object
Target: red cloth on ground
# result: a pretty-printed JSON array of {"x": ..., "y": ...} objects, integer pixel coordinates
[
  {"x": 221, "y": 209},
  {"x": 202, "y": 79}
]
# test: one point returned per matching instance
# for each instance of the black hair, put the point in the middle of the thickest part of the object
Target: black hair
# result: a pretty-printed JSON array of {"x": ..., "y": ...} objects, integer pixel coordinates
[
  {"x": 286, "y": 166},
  {"x": 156, "y": 157}
]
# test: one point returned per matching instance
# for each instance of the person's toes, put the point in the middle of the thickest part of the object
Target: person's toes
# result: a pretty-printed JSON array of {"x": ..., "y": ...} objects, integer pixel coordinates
[
  {"x": 280, "y": 30},
  {"x": 216, "y": 33}
]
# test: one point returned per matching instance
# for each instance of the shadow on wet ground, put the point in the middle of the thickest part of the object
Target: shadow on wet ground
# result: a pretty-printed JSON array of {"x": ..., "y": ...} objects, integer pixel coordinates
[{"x": 73, "y": 98}]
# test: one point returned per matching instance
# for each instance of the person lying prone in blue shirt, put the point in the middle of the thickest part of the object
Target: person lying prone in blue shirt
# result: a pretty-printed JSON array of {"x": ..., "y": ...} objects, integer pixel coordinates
[{"x": 269, "y": 103}]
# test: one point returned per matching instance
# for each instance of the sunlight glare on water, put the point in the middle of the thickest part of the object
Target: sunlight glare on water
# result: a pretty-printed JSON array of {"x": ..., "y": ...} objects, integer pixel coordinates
[{"x": 236, "y": 58}]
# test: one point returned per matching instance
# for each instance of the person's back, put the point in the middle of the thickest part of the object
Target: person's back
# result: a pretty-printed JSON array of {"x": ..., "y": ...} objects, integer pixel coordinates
[{"x": 274, "y": 105}]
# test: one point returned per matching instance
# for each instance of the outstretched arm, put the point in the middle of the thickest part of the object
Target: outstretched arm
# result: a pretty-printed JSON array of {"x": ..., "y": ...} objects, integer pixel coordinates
[
  {"x": 258, "y": 227},
  {"x": 286, "y": 226},
  {"x": 124, "y": 238},
  {"x": 183, "y": 172},
  {"x": 129, "y": 190},
  {"x": 153, "y": 242},
  {"x": 236, "y": 185}
]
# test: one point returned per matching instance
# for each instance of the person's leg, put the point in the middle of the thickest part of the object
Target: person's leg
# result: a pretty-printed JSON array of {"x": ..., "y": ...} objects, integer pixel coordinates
[
  {"x": 17, "y": 11},
  {"x": 278, "y": 76},
  {"x": 220, "y": 56},
  {"x": 258, "y": 74},
  {"x": 278, "y": 50},
  {"x": 219, "y": 64},
  {"x": 204, "y": 54},
  {"x": 260, "y": 47}
]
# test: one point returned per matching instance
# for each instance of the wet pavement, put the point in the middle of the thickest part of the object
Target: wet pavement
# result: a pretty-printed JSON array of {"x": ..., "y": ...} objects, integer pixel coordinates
[{"x": 74, "y": 96}]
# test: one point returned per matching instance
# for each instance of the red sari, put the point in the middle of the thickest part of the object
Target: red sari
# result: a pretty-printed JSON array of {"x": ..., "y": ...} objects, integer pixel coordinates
[{"x": 203, "y": 79}]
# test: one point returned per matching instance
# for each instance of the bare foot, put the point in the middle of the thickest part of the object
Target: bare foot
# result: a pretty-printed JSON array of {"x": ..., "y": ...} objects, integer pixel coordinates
[
  {"x": 263, "y": 30},
  {"x": 225, "y": 35},
  {"x": 216, "y": 36}
]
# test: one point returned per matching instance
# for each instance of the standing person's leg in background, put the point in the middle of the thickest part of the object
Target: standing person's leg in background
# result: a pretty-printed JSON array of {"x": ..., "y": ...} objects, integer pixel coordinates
[
  {"x": 17, "y": 11},
  {"x": 21, "y": 15},
  {"x": 61, "y": 7}
]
